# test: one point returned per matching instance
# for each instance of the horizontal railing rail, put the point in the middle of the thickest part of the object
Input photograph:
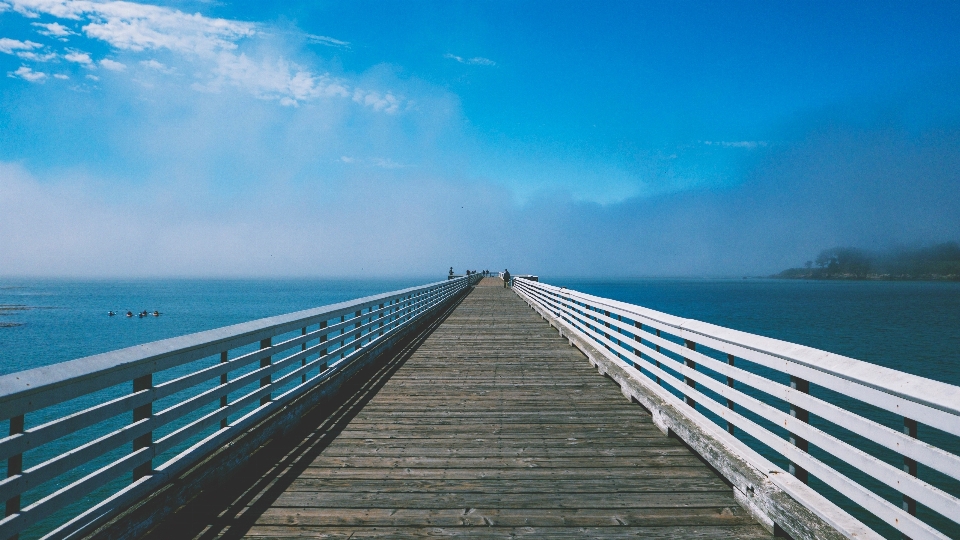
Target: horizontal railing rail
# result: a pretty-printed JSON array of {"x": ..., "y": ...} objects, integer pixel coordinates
[
  {"x": 69, "y": 445},
  {"x": 698, "y": 363}
]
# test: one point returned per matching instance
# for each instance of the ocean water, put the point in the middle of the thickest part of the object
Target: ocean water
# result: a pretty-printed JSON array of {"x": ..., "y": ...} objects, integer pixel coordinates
[
  {"x": 50, "y": 321},
  {"x": 909, "y": 326}
]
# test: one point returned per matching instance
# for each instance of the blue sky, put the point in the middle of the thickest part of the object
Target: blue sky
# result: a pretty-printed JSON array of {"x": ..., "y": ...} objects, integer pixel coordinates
[{"x": 394, "y": 138}]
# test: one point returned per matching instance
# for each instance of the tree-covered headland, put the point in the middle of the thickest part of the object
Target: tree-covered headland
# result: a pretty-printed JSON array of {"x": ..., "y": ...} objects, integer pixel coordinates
[{"x": 939, "y": 262}]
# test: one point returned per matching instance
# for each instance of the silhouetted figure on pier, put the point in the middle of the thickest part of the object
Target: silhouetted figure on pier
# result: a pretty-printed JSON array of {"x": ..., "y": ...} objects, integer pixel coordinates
[{"x": 506, "y": 278}]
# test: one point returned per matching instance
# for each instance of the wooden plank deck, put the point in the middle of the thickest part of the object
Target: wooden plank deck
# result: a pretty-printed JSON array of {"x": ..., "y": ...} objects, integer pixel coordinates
[{"x": 492, "y": 427}]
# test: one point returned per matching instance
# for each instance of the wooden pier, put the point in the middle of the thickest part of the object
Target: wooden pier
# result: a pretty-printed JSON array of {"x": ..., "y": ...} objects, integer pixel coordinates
[
  {"x": 487, "y": 425},
  {"x": 462, "y": 408}
]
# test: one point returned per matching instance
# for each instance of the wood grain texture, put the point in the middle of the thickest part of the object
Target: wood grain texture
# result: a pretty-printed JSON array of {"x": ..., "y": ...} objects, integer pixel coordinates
[{"x": 494, "y": 427}]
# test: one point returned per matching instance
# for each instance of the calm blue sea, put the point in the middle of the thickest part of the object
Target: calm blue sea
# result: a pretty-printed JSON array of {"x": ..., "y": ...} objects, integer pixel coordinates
[
  {"x": 63, "y": 320},
  {"x": 909, "y": 326}
]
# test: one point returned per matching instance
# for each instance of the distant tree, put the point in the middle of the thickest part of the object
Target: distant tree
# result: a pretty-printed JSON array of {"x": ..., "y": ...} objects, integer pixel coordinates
[
  {"x": 808, "y": 265},
  {"x": 939, "y": 259},
  {"x": 826, "y": 258},
  {"x": 846, "y": 261}
]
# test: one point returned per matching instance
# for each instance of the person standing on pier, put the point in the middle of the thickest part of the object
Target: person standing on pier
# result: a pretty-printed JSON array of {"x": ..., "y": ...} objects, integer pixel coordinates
[{"x": 506, "y": 278}]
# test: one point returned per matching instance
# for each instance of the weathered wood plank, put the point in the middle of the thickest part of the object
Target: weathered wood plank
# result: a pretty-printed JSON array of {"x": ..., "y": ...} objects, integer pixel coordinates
[
  {"x": 746, "y": 532},
  {"x": 499, "y": 485},
  {"x": 508, "y": 517},
  {"x": 489, "y": 452},
  {"x": 553, "y": 474},
  {"x": 430, "y": 499}
]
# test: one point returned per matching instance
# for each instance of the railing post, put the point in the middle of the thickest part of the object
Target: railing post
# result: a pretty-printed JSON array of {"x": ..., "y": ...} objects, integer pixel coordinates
[
  {"x": 143, "y": 412},
  {"x": 619, "y": 333},
  {"x": 380, "y": 318},
  {"x": 342, "y": 332},
  {"x": 606, "y": 336},
  {"x": 264, "y": 362},
  {"x": 639, "y": 341},
  {"x": 303, "y": 347},
  {"x": 692, "y": 365},
  {"x": 223, "y": 381},
  {"x": 910, "y": 465},
  {"x": 323, "y": 352},
  {"x": 356, "y": 337},
  {"x": 15, "y": 467},
  {"x": 800, "y": 385},
  {"x": 731, "y": 429},
  {"x": 657, "y": 361}
]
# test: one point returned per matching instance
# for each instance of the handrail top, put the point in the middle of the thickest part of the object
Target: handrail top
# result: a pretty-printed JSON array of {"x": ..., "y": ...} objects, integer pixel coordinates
[
  {"x": 930, "y": 392},
  {"x": 18, "y": 387}
]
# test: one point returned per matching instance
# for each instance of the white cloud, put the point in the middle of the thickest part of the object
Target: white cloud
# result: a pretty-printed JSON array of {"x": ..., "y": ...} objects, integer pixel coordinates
[
  {"x": 382, "y": 163},
  {"x": 137, "y": 27},
  {"x": 387, "y": 103},
  {"x": 27, "y": 74},
  {"x": 112, "y": 65},
  {"x": 54, "y": 29},
  {"x": 25, "y": 50},
  {"x": 328, "y": 41},
  {"x": 386, "y": 163},
  {"x": 279, "y": 79},
  {"x": 37, "y": 57},
  {"x": 750, "y": 145},
  {"x": 157, "y": 66},
  {"x": 211, "y": 45},
  {"x": 61, "y": 76},
  {"x": 78, "y": 57},
  {"x": 475, "y": 61},
  {"x": 11, "y": 46},
  {"x": 93, "y": 77}
]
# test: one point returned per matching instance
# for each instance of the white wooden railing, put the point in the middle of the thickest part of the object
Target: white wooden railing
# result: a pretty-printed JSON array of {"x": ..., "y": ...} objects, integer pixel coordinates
[
  {"x": 751, "y": 385},
  {"x": 80, "y": 429}
]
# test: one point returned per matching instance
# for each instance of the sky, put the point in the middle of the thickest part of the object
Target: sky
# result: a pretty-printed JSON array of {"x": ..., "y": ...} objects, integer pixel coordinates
[{"x": 388, "y": 138}]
